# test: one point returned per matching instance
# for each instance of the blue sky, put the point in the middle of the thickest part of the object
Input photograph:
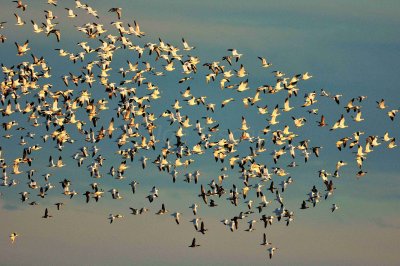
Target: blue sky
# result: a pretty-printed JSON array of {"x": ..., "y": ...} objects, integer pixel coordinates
[{"x": 351, "y": 48}]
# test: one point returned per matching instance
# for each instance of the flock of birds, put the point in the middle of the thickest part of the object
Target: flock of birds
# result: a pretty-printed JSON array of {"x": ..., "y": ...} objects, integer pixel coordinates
[{"x": 77, "y": 107}]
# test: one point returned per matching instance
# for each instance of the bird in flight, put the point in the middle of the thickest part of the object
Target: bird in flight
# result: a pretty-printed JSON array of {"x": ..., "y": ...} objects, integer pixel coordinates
[
  {"x": 193, "y": 245},
  {"x": 13, "y": 237}
]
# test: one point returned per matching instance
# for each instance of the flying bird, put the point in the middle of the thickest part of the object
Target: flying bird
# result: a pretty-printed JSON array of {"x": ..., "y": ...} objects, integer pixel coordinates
[
  {"x": 46, "y": 214},
  {"x": 22, "y": 49},
  {"x": 13, "y": 237},
  {"x": 116, "y": 10},
  {"x": 193, "y": 245}
]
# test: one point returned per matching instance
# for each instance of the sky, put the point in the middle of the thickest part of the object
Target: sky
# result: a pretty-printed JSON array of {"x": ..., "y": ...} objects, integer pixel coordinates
[{"x": 350, "y": 48}]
